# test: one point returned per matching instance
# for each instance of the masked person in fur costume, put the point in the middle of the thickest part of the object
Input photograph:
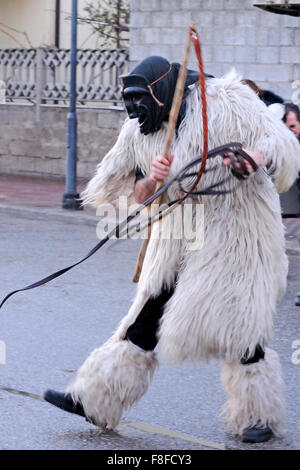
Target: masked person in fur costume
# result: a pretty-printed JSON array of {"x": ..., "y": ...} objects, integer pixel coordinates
[{"x": 218, "y": 301}]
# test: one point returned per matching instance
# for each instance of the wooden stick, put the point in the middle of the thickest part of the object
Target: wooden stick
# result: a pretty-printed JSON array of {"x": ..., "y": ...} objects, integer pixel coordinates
[{"x": 177, "y": 100}]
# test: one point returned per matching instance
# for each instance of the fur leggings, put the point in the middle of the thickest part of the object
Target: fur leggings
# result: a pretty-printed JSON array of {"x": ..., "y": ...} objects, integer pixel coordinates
[{"x": 118, "y": 373}]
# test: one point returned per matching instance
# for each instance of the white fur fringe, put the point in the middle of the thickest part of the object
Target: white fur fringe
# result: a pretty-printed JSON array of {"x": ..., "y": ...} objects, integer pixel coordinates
[
  {"x": 225, "y": 298},
  {"x": 111, "y": 380},
  {"x": 255, "y": 394}
]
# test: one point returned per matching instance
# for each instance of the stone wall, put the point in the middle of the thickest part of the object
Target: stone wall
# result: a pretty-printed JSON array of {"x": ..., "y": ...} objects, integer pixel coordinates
[
  {"x": 262, "y": 46},
  {"x": 39, "y": 148}
]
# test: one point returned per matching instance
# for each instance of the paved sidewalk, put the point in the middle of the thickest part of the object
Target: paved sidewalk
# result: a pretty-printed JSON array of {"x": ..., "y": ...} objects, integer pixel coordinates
[
  {"x": 16, "y": 190},
  {"x": 40, "y": 198}
]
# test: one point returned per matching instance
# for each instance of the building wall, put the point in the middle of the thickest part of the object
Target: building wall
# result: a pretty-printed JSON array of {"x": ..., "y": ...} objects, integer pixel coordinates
[
  {"x": 37, "y": 19},
  {"x": 262, "y": 46},
  {"x": 36, "y": 148},
  {"x": 17, "y": 17}
]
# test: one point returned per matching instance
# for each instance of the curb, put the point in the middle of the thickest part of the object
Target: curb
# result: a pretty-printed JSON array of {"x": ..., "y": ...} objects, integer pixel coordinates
[
  {"x": 78, "y": 217},
  {"x": 57, "y": 215}
]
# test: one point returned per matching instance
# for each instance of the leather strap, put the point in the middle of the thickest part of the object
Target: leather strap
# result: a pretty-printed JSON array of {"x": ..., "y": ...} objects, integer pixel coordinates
[{"x": 233, "y": 147}]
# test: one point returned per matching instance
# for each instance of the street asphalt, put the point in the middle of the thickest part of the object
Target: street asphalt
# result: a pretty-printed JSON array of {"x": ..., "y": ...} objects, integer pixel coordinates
[{"x": 49, "y": 331}]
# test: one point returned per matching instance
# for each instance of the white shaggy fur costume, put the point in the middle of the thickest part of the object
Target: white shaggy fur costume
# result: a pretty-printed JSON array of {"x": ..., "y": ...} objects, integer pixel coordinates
[{"x": 226, "y": 292}]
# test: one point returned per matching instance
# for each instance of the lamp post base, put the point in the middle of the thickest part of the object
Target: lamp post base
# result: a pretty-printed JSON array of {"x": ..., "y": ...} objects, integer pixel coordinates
[{"x": 71, "y": 202}]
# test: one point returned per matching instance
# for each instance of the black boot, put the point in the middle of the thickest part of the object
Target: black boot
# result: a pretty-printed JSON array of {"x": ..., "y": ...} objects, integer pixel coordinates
[
  {"x": 257, "y": 434},
  {"x": 65, "y": 402}
]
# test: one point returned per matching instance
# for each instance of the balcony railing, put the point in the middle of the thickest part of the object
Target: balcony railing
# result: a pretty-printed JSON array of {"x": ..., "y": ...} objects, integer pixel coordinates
[{"x": 42, "y": 76}]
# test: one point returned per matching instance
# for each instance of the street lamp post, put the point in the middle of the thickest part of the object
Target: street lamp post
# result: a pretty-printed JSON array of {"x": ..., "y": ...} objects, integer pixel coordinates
[{"x": 71, "y": 197}]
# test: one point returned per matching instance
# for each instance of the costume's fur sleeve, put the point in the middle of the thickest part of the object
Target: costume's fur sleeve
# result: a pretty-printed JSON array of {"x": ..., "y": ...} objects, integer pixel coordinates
[
  {"x": 237, "y": 112},
  {"x": 115, "y": 174},
  {"x": 281, "y": 151}
]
